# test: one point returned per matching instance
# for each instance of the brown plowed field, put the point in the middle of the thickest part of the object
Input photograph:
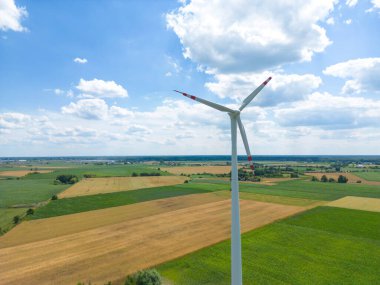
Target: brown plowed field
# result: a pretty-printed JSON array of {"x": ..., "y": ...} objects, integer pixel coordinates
[
  {"x": 91, "y": 186},
  {"x": 352, "y": 178},
  {"x": 20, "y": 173},
  {"x": 197, "y": 169},
  {"x": 110, "y": 252},
  {"x": 357, "y": 203}
]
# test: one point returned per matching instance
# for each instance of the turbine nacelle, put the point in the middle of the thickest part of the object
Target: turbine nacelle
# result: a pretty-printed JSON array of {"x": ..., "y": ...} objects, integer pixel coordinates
[{"x": 234, "y": 113}]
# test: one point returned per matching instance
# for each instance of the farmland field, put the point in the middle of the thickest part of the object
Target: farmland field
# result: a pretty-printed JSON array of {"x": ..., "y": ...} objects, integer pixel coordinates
[
  {"x": 352, "y": 178},
  {"x": 319, "y": 246},
  {"x": 197, "y": 169},
  {"x": 358, "y": 203},
  {"x": 20, "y": 173},
  {"x": 370, "y": 176},
  {"x": 91, "y": 186},
  {"x": 110, "y": 252},
  {"x": 100, "y": 201}
]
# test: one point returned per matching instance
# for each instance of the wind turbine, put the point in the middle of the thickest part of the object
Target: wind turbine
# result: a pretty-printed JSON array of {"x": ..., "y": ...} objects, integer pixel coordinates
[{"x": 236, "y": 263}]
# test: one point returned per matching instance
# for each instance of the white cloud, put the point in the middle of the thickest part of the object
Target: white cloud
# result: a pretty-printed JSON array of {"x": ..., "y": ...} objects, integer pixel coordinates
[
  {"x": 11, "y": 16},
  {"x": 101, "y": 88},
  {"x": 375, "y": 6},
  {"x": 330, "y": 112},
  {"x": 237, "y": 36},
  {"x": 168, "y": 74},
  {"x": 58, "y": 91},
  {"x": 80, "y": 60},
  {"x": 13, "y": 120},
  {"x": 330, "y": 21},
  {"x": 362, "y": 75},
  {"x": 351, "y": 3},
  {"x": 282, "y": 88},
  {"x": 348, "y": 22},
  {"x": 93, "y": 109}
]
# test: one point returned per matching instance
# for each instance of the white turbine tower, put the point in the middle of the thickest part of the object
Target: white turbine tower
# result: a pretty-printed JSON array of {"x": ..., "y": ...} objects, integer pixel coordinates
[{"x": 236, "y": 264}]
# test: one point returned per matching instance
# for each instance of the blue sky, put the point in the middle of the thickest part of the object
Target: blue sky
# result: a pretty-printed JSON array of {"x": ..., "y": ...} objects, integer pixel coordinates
[{"x": 95, "y": 77}]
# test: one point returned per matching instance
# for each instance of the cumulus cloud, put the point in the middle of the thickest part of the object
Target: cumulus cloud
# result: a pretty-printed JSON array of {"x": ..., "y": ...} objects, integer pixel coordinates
[
  {"x": 361, "y": 74},
  {"x": 240, "y": 36},
  {"x": 375, "y": 6},
  {"x": 101, "y": 88},
  {"x": 11, "y": 16},
  {"x": 348, "y": 22},
  {"x": 93, "y": 109},
  {"x": 331, "y": 112},
  {"x": 282, "y": 88},
  {"x": 13, "y": 120},
  {"x": 80, "y": 60},
  {"x": 351, "y": 3}
]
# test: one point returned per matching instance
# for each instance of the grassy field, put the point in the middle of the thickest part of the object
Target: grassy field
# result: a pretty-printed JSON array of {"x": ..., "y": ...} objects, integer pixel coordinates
[
  {"x": 371, "y": 175},
  {"x": 6, "y": 216},
  {"x": 322, "y": 246},
  {"x": 27, "y": 191},
  {"x": 198, "y": 169},
  {"x": 92, "y": 186},
  {"x": 100, "y": 201},
  {"x": 306, "y": 189}
]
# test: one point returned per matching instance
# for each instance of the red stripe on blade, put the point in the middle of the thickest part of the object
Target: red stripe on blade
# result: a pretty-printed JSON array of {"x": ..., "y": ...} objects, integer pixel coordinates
[
  {"x": 249, "y": 158},
  {"x": 252, "y": 167},
  {"x": 192, "y": 97}
]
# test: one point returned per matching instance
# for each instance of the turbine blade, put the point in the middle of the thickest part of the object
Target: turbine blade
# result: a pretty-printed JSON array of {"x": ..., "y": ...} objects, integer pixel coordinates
[
  {"x": 253, "y": 94},
  {"x": 245, "y": 141},
  {"x": 208, "y": 103}
]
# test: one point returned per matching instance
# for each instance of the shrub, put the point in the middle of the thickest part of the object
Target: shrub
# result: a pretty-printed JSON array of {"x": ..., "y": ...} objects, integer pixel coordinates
[
  {"x": 294, "y": 175},
  {"x": 331, "y": 180},
  {"x": 359, "y": 181},
  {"x": 16, "y": 219},
  {"x": 89, "y": 175},
  {"x": 54, "y": 197},
  {"x": 186, "y": 181},
  {"x": 313, "y": 178},
  {"x": 134, "y": 174},
  {"x": 324, "y": 178},
  {"x": 67, "y": 178},
  {"x": 342, "y": 179},
  {"x": 145, "y": 277},
  {"x": 30, "y": 212}
]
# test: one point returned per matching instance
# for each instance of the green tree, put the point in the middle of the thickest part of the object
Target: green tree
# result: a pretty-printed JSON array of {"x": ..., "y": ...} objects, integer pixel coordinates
[
  {"x": 324, "y": 178},
  {"x": 54, "y": 197},
  {"x": 313, "y": 178},
  {"x": 342, "y": 179},
  {"x": 145, "y": 277},
  {"x": 30, "y": 212},
  {"x": 331, "y": 180},
  {"x": 16, "y": 219}
]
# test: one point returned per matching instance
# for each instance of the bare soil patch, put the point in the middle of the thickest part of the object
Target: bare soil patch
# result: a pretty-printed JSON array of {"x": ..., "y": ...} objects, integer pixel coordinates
[
  {"x": 111, "y": 252},
  {"x": 357, "y": 203},
  {"x": 20, "y": 173},
  {"x": 218, "y": 169},
  {"x": 91, "y": 186},
  {"x": 352, "y": 178}
]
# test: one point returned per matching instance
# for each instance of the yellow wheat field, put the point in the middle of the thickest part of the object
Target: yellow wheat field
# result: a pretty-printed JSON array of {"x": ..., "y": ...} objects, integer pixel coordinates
[
  {"x": 20, "y": 173},
  {"x": 91, "y": 186},
  {"x": 110, "y": 252},
  {"x": 352, "y": 178},
  {"x": 357, "y": 203}
]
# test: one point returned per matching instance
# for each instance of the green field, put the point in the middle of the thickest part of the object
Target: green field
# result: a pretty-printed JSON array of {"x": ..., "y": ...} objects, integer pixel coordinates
[
  {"x": 6, "y": 217},
  {"x": 371, "y": 176},
  {"x": 27, "y": 191},
  {"x": 315, "y": 247},
  {"x": 93, "y": 202},
  {"x": 306, "y": 189}
]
